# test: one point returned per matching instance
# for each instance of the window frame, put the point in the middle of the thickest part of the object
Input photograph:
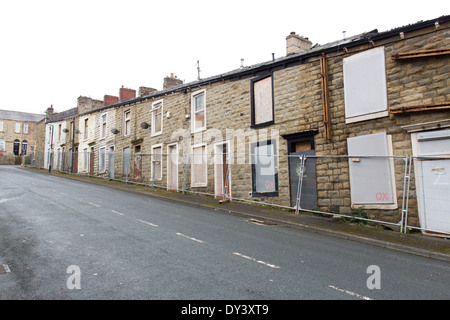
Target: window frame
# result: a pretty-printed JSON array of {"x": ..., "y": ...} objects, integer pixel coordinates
[
  {"x": 157, "y": 106},
  {"x": 86, "y": 129},
  {"x": 17, "y": 129},
  {"x": 103, "y": 125},
  {"x": 25, "y": 128},
  {"x": 195, "y": 94},
  {"x": 253, "y": 101},
  {"x": 2, "y": 144},
  {"x": 126, "y": 121}
]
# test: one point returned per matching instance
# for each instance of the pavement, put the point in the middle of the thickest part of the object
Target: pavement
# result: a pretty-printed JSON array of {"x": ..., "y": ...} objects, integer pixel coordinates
[{"x": 377, "y": 235}]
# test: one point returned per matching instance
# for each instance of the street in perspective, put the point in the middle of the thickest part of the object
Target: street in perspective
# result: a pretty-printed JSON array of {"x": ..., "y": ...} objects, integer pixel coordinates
[{"x": 67, "y": 239}]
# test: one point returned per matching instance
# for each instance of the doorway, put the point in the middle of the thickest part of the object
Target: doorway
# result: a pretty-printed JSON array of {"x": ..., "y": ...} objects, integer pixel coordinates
[
  {"x": 172, "y": 167},
  {"x": 91, "y": 162},
  {"x": 222, "y": 170},
  {"x": 432, "y": 167},
  {"x": 111, "y": 162},
  {"x": 302, "y": 144},
  {"x": 137, "y": 164}
]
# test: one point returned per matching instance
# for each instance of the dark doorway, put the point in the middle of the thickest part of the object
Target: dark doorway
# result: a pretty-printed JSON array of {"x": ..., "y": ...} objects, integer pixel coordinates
[{"x": 302, "y": 144}]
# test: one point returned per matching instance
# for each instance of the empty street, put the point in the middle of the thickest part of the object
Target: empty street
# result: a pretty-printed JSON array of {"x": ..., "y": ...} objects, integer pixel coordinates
[{"x": 65, "y": 239}]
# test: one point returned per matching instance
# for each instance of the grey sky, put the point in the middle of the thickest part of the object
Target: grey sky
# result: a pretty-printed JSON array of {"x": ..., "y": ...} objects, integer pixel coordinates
[{"x": 52, "y": 52}]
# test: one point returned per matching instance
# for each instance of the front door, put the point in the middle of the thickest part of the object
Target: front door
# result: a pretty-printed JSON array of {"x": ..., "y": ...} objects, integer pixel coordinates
[
  {"x": 222, "y": 181},
  {"x": 308, "y": 193},
  {"x": 433, "y": 172},
  {"x": 172, "y": 167},
  {"x": 137, "y": 164},
  {"x": 111, "y": 162},
  {"x": 91, "y": 162},
  {"x": 75, "y": 161}
]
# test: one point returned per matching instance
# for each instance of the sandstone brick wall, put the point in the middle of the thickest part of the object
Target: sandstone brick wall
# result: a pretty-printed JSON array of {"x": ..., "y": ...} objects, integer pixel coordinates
[{"x": 9, "y": 135}]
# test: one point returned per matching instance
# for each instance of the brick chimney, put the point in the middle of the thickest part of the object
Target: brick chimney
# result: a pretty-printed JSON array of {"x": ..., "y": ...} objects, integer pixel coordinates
[
  {"x": 144, "y": 91},
  {"x": 109, "y": 100},
  {"x": 126, "y": 93},
  {"x": 172, "y": 81},
  {"x": 297, "y": 44}
]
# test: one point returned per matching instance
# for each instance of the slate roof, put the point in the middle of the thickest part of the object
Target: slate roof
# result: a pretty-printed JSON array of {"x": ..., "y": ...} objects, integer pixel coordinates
[{"x": 20, "y": 116}]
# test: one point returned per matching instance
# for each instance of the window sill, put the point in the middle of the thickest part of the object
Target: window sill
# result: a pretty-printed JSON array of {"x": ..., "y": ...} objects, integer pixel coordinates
[{"x": 365, "y": 117}]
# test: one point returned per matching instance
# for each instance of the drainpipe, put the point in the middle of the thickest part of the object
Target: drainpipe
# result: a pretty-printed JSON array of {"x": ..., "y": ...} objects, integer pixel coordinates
[{"x": 51, "y": 152}]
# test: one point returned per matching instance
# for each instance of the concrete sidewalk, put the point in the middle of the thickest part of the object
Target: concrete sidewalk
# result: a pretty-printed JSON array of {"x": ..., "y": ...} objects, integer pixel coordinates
[{"x": 414, "y": 243}]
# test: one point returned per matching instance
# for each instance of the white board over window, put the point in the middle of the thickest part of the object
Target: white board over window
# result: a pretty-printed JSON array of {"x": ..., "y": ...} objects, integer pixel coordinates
[
  {"x": 370, "y": 170},
  {"x": 365, "y": 85}
]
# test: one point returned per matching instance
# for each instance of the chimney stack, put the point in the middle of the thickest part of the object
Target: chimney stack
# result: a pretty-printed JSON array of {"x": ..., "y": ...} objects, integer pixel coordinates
[
  {"x": 172, "y": 81},
  {"x": 126, "y": 93},
  {"x": 297, "y": 44},
  {"x": 145, "y": 91},
  {"x": 109, "y": 100},
  {"x": 85, "y": 104},
  {"x": 49, "y": 111}
]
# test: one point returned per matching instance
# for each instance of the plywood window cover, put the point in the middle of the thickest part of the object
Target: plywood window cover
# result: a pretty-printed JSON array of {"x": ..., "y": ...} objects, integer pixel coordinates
[
  {"x": 365, "y": 92},
  {"x": 420, "y": 54},
  {"x": 262, "y": 102}
]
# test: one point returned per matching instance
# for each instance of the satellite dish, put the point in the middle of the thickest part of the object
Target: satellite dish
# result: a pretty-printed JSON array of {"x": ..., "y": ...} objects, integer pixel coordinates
[
  {"x": 114, "y": 131},
  {"x": 144, "y": 125}
]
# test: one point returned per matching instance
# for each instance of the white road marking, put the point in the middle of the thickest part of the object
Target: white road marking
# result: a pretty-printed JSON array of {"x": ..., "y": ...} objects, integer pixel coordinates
[
  {"x": 193, "y": 239},
  {"x": 9, "y": 199},
  {"x": 150, "y": 224},
  {"x": 258, "y": 261},
  {"x": 117, "y": 212},
  {"x": 350, "y": 293},
  {"x": 94, "y": 204}
]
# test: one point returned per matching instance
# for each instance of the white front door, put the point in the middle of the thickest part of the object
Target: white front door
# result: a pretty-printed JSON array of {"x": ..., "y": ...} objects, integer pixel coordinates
[
  {"x": 222, "y": 176},
  {"x": 433, "y": 176},
  {"x": 172, "y": 167}
]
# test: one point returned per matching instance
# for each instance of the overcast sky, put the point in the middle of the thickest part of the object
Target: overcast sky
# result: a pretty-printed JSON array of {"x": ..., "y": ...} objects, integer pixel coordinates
[{"x": 53, "y": 51}]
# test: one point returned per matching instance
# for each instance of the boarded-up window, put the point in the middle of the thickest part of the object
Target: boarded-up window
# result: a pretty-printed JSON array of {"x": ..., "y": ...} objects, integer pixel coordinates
[
  {"x": 126, "y": 161},
  {"x": 365, "y": 85},
  {"x": 264, "y": 169},
  {"x": 370, "y": 170},
  {"x": 262, "y": 101},
  {"x": 198, "y": 166},
  {"x": 102, "y": 159},
  {"x": 157, "y": 163}
]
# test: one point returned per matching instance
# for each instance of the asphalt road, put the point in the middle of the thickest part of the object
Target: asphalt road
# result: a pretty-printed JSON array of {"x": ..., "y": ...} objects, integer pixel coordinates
[{"x": 65, "y": 239}]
